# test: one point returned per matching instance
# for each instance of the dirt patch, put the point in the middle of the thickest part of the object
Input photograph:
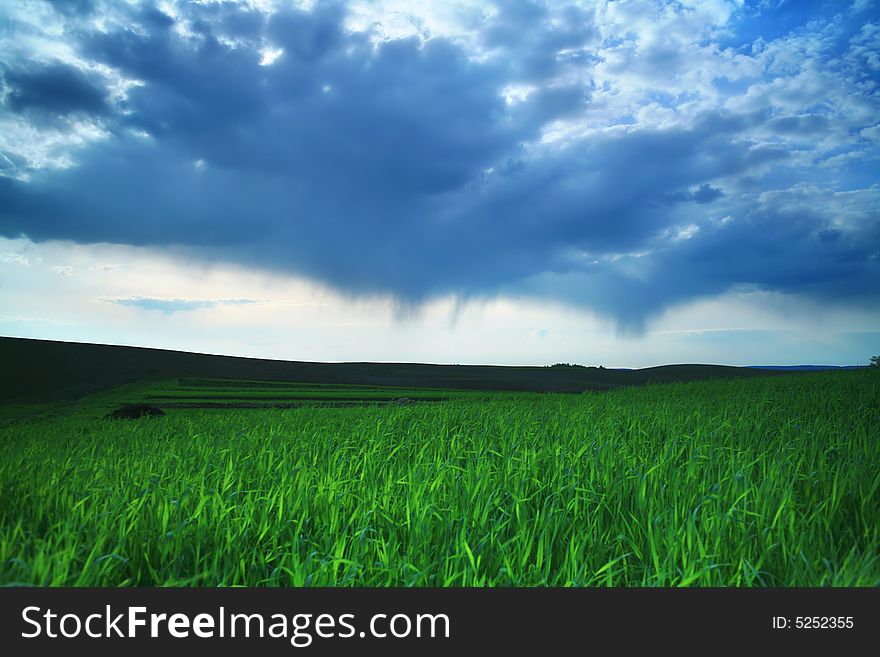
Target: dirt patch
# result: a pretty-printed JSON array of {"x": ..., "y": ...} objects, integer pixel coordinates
[
  {"x": 350, "y": 403},
  {"x": 286, "y": 398},
  {"x": 135, "y": 411}
]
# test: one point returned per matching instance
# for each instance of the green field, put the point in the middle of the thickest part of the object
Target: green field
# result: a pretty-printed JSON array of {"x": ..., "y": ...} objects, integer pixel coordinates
[{"x": 770, "y": 481}]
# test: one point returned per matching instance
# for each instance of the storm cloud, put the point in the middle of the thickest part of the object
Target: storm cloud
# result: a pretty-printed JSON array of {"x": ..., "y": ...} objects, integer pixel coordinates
[{"x": 621, "y": 162}]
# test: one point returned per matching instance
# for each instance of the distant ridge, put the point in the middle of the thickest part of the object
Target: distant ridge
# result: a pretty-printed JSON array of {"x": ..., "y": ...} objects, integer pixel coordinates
[
  {"x": 48, "y": 370},
  {"x": 806, "y": 368}
]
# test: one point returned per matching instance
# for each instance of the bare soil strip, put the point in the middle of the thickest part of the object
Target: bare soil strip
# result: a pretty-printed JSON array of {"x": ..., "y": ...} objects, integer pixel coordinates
[
  {"x": 352, "y": 403},
  {"x": 287, "y": 398}
]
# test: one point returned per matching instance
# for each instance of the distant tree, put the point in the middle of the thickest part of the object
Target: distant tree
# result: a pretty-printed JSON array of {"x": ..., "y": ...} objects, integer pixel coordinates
[{"x": 875, "y": 361}]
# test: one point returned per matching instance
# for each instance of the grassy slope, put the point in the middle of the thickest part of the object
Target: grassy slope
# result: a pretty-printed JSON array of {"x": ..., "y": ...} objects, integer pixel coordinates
[
  {"x": 768, "y": 482},
  {"x": 43, "y": 370}
]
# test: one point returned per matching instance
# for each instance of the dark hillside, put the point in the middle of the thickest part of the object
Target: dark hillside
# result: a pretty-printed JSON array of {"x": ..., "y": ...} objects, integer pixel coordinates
[{"x": 45, "y": 370}]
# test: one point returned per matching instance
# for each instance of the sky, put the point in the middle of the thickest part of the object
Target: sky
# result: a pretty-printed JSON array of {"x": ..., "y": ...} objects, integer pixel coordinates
[{"x": 622, "y": 183}]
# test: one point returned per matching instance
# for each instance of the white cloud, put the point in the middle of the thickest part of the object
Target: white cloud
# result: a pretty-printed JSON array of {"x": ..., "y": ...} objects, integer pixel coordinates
[
  {"x": 21, "y": 319},
  {"x": 269, "y": 55},
  {"x": 13, "y": 258}
]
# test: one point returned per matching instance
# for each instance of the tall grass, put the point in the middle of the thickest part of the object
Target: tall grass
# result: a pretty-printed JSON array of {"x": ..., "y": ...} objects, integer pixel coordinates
[{"x": 761, "y": 482}]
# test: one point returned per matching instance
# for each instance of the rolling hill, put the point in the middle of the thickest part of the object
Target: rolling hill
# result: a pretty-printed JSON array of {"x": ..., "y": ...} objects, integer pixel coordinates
[{"x": 46, "y": 370}]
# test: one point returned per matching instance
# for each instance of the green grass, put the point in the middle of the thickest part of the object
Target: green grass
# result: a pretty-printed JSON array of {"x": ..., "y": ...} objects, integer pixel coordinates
[{"x": 750, "y": 482}]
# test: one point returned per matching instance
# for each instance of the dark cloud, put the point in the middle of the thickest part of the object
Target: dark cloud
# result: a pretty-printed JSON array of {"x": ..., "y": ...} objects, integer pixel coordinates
[
  {"x": 766, "y": 249},
  {"x": 807, "y": 125},
  {"x": 771, "y": 249},
  {"x": 308, "y": 36},
  {"x": 399, "y": 167},
  {"x": 705, "y": 193},
  {"x": 73, "y": 7},
  {"x": 55, "y": 89},
  {"x": 538, "y": 44},
  {"x": 830, "y": 234}
]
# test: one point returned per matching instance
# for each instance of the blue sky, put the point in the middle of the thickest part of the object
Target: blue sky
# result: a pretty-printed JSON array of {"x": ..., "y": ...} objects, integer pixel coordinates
[{"x": 625, "y": 183}]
